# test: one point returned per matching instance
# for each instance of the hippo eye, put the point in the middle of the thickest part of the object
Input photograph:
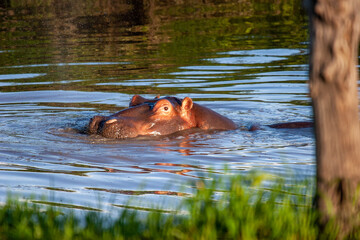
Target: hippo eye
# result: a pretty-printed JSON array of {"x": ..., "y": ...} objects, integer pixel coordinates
[{"x": 166, "y": 108}]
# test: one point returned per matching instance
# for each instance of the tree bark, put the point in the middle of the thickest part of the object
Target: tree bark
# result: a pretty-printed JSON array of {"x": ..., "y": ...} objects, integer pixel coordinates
[{"x": 334, "y": 30}]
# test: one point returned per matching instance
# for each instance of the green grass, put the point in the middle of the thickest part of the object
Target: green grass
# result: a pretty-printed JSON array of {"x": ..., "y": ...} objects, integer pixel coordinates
[{"x": 236, "y": 208}]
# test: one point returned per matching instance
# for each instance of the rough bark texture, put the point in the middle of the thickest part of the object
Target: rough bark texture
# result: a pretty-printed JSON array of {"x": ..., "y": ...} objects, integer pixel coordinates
[{"x": 335, "y": 27}]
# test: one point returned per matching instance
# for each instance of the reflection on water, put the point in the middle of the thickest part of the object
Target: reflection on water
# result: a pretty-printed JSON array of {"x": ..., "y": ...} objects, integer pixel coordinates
[{"x": 65, "y": 61}]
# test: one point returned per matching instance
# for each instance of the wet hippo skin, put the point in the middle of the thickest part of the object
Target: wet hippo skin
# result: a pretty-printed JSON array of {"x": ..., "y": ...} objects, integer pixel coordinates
[{"x": 159, "y": 116}]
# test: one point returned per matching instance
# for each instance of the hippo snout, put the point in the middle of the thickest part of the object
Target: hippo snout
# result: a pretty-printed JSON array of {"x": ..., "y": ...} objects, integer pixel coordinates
[{"x": 112, "y": 127}]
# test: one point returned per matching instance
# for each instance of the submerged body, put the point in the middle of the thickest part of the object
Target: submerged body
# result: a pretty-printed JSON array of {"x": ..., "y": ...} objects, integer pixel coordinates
[{"x": 159, "y": 116}]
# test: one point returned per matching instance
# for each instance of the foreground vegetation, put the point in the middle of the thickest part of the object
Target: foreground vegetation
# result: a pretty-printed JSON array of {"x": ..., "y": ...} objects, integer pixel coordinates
[{"x": 244, "y": 208}]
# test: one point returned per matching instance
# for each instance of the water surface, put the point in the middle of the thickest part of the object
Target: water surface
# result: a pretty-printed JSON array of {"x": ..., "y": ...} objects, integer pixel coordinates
[{"x": 60, "y": 65}]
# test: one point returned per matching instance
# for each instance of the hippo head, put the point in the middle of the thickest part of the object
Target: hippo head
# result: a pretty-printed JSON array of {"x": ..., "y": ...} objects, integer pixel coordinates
[{"x": 159, "y": 116}]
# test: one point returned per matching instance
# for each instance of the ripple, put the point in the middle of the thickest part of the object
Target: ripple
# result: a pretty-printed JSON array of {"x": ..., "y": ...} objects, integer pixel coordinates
[
  {"x": 214, "y": 67},
  {"x": 20, "y": 76},
  {"x": 257, "y": 56},
  {"x": 132, "y": 192},
  {"x": 62, "y": 97},
  {"x": 200, "y": 72},
  {"x": 267, "y": 52},
  {"x": 136, "y": 82},
  {"x": 4, "y": 84},
  {"x": 66, "y": 205},
  {"x": 245, "y": 60},
  {"x": 283, "y": 73},
  {"x": 66, "y": 64}
]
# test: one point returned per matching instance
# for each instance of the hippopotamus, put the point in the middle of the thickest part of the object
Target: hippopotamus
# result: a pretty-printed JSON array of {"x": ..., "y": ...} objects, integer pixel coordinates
[
  {"x": 158, "y": 116},
  {"x": 164, "y": 116}
]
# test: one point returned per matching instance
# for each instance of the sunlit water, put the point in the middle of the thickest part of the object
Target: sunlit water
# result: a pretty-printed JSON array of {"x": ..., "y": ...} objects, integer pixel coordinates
[{"x": 49, "y": 91}]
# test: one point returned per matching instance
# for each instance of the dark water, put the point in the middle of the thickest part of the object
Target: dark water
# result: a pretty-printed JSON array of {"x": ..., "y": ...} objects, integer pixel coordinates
[{"x": 63, "y": 62}]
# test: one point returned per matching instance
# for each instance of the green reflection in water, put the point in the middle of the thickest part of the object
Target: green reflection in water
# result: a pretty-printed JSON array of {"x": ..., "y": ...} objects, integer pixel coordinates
[
  {"x": 146, "y": 38},
  {"x": 65, "y": 205}
]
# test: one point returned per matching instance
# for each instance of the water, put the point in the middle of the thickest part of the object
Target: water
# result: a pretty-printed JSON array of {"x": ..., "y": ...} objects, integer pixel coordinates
[{"x": 60, "y": 65}]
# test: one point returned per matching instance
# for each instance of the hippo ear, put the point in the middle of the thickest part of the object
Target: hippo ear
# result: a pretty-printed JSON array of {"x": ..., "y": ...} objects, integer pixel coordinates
[
  {"x": 157, "y": 96},
  {"x": 187, "y": 104},
  {"x": 137, "y": 100}
]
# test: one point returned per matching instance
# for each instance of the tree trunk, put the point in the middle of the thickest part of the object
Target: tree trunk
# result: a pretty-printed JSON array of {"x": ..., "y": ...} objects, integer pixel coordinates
[{"x": 335, "y": 27}]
